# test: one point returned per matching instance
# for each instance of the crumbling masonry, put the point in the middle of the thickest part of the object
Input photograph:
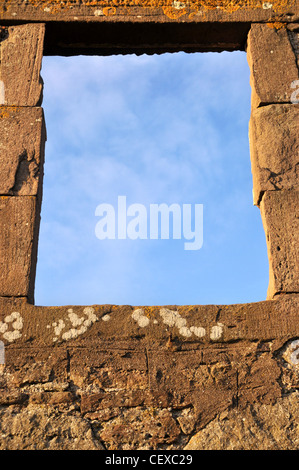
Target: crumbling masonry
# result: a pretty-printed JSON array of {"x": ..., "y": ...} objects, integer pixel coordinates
[{"x": 122, "y": 377}]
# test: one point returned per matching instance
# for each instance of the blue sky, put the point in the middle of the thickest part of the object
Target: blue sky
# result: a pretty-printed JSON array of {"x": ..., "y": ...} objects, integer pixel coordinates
[{"x": 157, "y": 129}]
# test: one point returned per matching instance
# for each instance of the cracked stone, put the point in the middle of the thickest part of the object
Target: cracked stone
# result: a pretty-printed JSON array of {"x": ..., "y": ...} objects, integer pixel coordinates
[
  {"x": 21, "y": 159},
  {"x": 274, "y": 149}
]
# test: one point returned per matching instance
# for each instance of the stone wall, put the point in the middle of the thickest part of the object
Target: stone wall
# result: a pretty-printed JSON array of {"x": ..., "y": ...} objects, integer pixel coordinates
[{"x": 166, "y": 377}]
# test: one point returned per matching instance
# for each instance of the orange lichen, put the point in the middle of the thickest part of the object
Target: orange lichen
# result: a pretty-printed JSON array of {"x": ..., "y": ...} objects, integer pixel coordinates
[
  {"x": 171, "y": 8},
  {"x": 277, "y": 25},
  {"x": 8, "y": 111},
  {"x": 174, "y": 13},
  {"x": 151, "y": 311},
  {"x": 109, "y": 11}
]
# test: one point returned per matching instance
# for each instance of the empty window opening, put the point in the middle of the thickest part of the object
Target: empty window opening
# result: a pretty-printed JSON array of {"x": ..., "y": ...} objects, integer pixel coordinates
[{"x": 161, "y": 129}]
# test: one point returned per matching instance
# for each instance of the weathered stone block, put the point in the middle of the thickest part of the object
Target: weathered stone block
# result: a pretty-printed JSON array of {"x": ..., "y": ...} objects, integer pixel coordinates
[
  {"x": 204, "y": 379},
  {"x": 280, "y": 215},
  {"x": 242, "y": 11},
  {"x": 121, "y": 360},
  {"x": 41, "y": 428},
  {"x": 272, "y": 61},
  {"x": 197, "y": 371},
  {"x": 114, "y": 369},
  {"x": 30, "y": 366},
  {"x": 274, "y": 148},
  {"x": 21, "y": 158},
  {"x": 18, "y": 245},
  {"x": 293, "y": 31},
  {"x": 261, "y": 426},
  {"x": 140, "y": 429},
  {"x": 21, "y": 51}
]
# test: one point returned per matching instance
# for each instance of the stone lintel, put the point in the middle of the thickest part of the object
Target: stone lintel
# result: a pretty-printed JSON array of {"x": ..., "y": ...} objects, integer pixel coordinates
[
  {"x": 147, "y": 10},
  {"x": 172, "y": 328}
]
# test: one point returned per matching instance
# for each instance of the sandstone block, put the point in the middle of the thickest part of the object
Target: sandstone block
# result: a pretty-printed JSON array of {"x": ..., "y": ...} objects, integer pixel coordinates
[
  {"x": 273, "y": 66},
  {"x": 140, "y": 429},
  {"x": 51, "y": 398},
  {"x": 94, "y": 354},
  {"x": 41, "y": 428},
  {"x": 260, "y": 427},
  {"x": 280, "y": 215},
  {"x": 18, "y": 244},
  {"x": 21, "y": 51},
  {"x": 274, "y": 148},
  {"x": 205, "y": 379},
  {"x": 116, "y": 369},
  {"x": 241, "y": 11},
  {"x": 44, "y": 366},
  {"x": 21, "y": 158}
]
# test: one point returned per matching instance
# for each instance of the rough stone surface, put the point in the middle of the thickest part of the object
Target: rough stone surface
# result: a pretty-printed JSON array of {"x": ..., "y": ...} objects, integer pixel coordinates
[
  {"x": 21, "y": 158},
  {"x": 38, "y": 428},
  {"x": 87, "y": 329},
  {"x": 149, "y": 10},
  {"x": 279, "y": 210},
  {"x": 18, "y": 244},
  {"x": 273, "y": 65},
  {"x": 127, "y": 384},
  {"x": 259, "y": 427},
  {"x": 165, "y": 377},
  {"x": 21, "y": 49},
  {"x": 140, "y": 429},
  {"x": 274, "y": 149}
]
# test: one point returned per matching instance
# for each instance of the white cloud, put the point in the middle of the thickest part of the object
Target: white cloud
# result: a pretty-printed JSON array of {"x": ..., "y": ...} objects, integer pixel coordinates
[{"x": 156, "y": 129}]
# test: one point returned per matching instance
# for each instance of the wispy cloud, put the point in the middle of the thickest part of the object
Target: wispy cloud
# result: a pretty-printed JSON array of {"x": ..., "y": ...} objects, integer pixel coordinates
[{"x": 169, "y": 128}]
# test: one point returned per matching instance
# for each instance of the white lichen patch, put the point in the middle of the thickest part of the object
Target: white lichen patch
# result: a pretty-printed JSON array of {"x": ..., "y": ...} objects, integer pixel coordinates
[
  {"x": 178, "y": 5},
  {"x": 98, "y": 13},
  {"x": 267, "y": 5},
  {"x": 58, "y": 327},
  {"x": 77, "y": 325},
  {"x": 140, "y": 318},
  {"x": 216, "y": 332},
  {"x": 106, "y": 318},
  {"x": 198, "y": 331},
  {"x": 291, "y": 354},
  {"x": 174, "y": 319},
  {"x": 185, "y": 331},
  {"x": 11, "y": 327}
]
